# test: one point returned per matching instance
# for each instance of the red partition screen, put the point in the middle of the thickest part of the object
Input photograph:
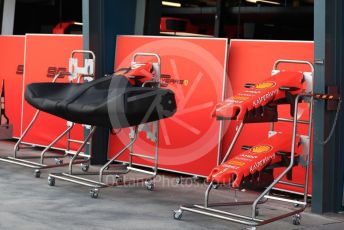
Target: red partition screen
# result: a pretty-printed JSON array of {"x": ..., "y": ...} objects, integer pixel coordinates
[
  {"x": 11, "y": 67},
  {"x": 188, "y": 140},
  {"x": 45, "y": 55}
]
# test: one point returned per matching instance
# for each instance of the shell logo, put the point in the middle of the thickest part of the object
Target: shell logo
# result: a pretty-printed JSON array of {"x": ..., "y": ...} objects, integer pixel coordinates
[
  {"x": 236, "y": 163},
  {"x": 239, "y": 98},
  {"x": 265, "y": 85},
  {"x": 261, "y": 148}
]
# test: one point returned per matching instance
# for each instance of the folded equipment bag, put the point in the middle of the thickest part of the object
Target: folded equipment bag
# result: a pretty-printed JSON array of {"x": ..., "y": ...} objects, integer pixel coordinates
[{"x": 110, "y": 101}]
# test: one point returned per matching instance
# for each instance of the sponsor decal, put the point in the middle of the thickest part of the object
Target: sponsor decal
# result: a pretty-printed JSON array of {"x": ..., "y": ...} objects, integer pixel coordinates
[
  {"x": 265, "y": 97},
  {"x": 20, "y": 69},
  {"x": 236, "y": 99},
  {"x": 252, "y": 91},
  {"x": 265, "y": 85},
  {"x": 240, "y": 158},
  {"x": 175, "y": 81},
  {"x": 239, "y": 98},
  {"x": 246, "y": 94},
  {"x": 228, "y": 166},
  {"x": 249, "y": 156},
  {"x": 52, "y": 71},
  {"x": 261, "y": 163},
  {"x": 237, "y": 163},
  {"x": 261, "y": 149}
]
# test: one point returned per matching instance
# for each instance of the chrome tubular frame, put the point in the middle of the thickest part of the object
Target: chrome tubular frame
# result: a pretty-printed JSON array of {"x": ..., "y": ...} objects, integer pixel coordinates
[
  {"x": 95, "y": 185},
  {"x": 252, "y": 220},
  {"x": 26, "y": 161}
]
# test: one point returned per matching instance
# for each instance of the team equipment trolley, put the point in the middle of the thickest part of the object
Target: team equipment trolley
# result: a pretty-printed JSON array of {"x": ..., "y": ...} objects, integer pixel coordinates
[
  {"x": 76, "y": 73},
  {"x": 129, "y": 98},
  {"x": 259, "y": 103}
]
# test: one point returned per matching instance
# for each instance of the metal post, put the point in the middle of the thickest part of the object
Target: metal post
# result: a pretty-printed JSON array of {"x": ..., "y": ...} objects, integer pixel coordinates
[
  {"x": 9, "y": 7},
  {"x": 152, "y": 17},
  {"x": 219, "y": 18},
  {"x": 103, "y": 20},
  {"x": 310, "y": 129},
  {"x": 327, "y": 159},
  {"x": 1, "y": 12}
]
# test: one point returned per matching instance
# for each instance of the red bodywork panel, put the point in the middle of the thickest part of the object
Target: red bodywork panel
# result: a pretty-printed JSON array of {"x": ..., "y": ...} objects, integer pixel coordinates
[
  {"x": 142, "y": 73},
  {"x": 139, "y": 75},
  {"x": 258, "y": 95},
  {"x": 62, "y": 27},
  {"x": 253, "y": 160}
]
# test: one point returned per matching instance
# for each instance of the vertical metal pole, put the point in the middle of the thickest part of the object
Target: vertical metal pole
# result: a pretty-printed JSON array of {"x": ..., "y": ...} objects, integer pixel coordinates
[
  {"x": 328, "y": 54},
  {"x": 219, "y": 18},
  {"x": 340, "y": 73},
  {"x": 319, "y": 109},
  {"x": 1, "y": 12},
  {"x": 140, "y": 17},
  {"x": 272, "y": 126},
  {"x": 308, "y": 162},
  {"x": 131, "y": 147},
  {"x": 8, "y": 17},
  {"x": 103, "y": 20},
  {"x": 152, "y": 16},
  {"x": 156, "y": 158}
]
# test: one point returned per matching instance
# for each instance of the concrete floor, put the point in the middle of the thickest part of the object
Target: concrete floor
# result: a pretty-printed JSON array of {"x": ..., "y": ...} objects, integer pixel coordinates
[{"x": 30, "y": 203}]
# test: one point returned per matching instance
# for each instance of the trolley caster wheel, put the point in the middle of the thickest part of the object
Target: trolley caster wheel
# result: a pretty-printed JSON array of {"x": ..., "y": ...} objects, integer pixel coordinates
[
  {"x": 296, "y": 219},
  {"x": 94, "y": 193},
  {"x": 37, "y": 173},
  {"x": 85, "y": 167},
  {"x": 58, "y": 161},
  {"x": 215, "y": 186},
  {"x": 51, "y": 181},
  {"x": 296, "y": 205},
  {"x": 149, "y": 185},
  {"x": 177, "y": 214},
  {"x": 178, "y": 180},
  {"x": 119, "y": 179}
]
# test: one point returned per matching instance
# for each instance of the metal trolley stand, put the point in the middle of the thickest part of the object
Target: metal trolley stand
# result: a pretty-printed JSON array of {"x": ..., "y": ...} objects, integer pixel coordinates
[
  {"x": 76, "y": 73},
  {"x": 152, "y": 130},
  {"x": 209, "y": 209}
]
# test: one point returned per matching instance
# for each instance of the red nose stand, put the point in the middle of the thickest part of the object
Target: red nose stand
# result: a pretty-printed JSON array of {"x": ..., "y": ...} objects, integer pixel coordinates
[
  {"x": 271, "y": 151},
  {"x": 255, "y": 165}
]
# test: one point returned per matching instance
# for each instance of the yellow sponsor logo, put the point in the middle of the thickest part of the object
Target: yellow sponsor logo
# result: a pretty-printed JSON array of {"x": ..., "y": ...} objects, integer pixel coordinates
[
  {"x": 237, "y": 163},
  {"x": 239, "y": 98},
  {"x": 261, "y": 149},
  {"x": 265, "y": 85}
]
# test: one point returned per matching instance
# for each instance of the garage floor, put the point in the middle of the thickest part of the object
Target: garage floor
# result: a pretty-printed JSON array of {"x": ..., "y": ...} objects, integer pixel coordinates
[{"x": 30, "y": 203}]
